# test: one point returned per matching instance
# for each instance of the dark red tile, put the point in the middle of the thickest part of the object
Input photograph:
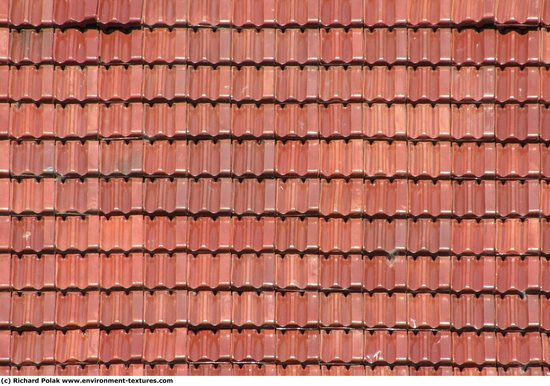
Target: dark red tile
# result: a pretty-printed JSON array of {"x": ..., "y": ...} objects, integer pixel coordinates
[
  {"x": 514, "y": 122},
  {"x": 204, "y": 84},
  {"x": 77, "y": 159},
  {"x": 515, "y": 312}
]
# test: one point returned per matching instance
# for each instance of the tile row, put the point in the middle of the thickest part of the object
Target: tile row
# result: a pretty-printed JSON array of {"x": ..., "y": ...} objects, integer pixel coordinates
[
  {"x": 287, "y": 273},
  {"x": 75, "y": 84},
  {"x": 292, "y": 347},
  {"x": 226, "y": 369},
  {"x": 254, "y": 13},
  {"x": 284, "y": 197},
  {"x": 224, "y": 309},
  {"x": 267, "y": 234},
  {"x": 468, "y": 122},
  {"x": 284, "y": 47},
  {"x": 270, "y": 158}
]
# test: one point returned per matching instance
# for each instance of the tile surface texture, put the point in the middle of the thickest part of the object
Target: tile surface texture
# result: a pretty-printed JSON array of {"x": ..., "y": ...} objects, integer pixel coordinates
[{"x": 274, "y": 187}]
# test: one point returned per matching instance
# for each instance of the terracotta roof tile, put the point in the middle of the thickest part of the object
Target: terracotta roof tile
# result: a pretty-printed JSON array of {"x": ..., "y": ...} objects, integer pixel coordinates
[
  {"x": 209, "y": 45},
  {"x": 253, "y": 271},
  {"x": 472, "y": 47},
  {"x": 512, "y": 12},
  {"x": 120, "y": 47},
  {"x": 22, "y": 13},
  {"x": 32, "y": 347},
  {"x": 28, "y": 46},
  {"x": 209, "y": 346},
  {"x": 122, "y": 309},
  {"x": 427, "y": 46},
  {"x": 72, "y": 12},
  {"x": 471, "y": 311},
  {"x": 120, "y": 345},
  {"x": 250, "y": 345},
  {"x": 119, "y": 11},
  {"x": 325, "y": 187},
  {"x": 32, "y": 309},
  {"x": 294, "y": 46},
  {"x": 294, "y": 309},
  {"x": 165, "y": 13},
  {"x": 73, "y": 271},
  {"x": 165, "y": 270},
  {"x": 121, "y": 271},
  {"x": 75, "y": 309},
  {"x": 164, "y": 46},
  {"x": 516, "y": 348},
  {"x": 165, "y": 345},
  {"x": 73, "y": 121},
  {"x": 297, "y": 13}
]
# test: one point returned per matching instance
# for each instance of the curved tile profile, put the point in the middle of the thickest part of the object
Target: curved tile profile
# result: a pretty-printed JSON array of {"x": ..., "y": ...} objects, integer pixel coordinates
[{"x": 274, "y": 187}]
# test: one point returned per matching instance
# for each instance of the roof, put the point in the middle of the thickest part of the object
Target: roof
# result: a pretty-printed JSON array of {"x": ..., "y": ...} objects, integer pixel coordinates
[{"x": 274, "y": 187}]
